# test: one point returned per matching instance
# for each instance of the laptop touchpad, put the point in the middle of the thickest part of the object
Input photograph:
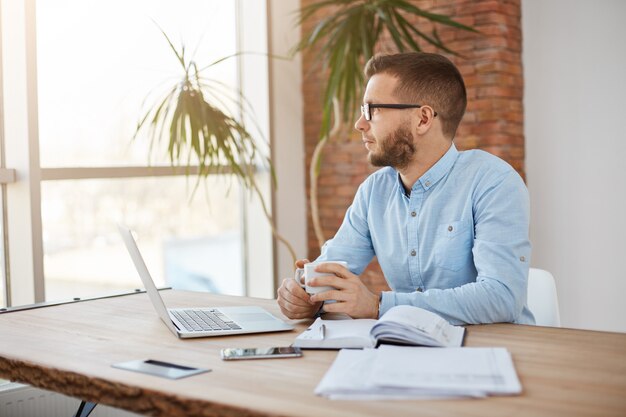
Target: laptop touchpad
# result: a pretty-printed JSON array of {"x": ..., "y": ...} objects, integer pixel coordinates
[{"x": 250, "y": 316}]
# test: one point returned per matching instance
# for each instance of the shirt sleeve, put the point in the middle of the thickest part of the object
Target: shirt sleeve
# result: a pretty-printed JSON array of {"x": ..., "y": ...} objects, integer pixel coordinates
[
  {"x": 352, "y": 242},
  {"x": 501, "y": 253}
]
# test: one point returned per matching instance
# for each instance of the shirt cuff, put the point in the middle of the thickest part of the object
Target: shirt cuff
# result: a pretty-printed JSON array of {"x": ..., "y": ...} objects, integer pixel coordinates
[{"x": 387, "y": 300}]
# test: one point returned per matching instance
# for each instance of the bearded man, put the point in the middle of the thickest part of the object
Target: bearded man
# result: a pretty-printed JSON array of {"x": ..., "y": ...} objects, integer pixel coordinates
[{"x": 449, "y": 228}]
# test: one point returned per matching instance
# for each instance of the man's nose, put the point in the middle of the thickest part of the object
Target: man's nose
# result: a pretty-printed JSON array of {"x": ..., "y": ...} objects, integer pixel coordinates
[{"x": 361, "y": 124}]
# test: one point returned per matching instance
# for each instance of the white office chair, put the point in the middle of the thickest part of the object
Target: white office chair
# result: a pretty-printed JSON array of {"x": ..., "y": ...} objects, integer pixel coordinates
[{"x": 543, "y": 301}]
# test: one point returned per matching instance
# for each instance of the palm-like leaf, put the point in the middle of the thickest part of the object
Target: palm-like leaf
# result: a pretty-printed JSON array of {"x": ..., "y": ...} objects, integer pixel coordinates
[
  {"x": 347, "y": 37},
  {"x": 198, "y": 128}
]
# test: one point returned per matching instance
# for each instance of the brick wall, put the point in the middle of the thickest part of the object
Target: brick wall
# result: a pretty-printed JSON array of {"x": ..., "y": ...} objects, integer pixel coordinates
[{"x": 492, "y": 69}]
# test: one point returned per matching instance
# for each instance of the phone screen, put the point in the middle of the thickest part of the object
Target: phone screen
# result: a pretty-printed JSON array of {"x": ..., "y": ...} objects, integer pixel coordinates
[{"x": 261, "y": 353}]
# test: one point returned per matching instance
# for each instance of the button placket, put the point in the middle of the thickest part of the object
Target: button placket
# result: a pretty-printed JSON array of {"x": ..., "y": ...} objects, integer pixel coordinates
[{"x": 413, "y": 242}]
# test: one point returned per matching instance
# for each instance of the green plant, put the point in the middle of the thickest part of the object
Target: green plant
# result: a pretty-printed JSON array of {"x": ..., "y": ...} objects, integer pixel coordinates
[
  {"x": 344, "y": 39},
  {"x": 194, "y": 121}
]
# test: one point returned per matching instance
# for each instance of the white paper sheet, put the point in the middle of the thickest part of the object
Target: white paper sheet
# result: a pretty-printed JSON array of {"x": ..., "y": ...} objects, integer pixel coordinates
[
  {"x": 482, "y": 369},
  {"x": 401, "y": 372},
  {"x": 349, "y": 376}
]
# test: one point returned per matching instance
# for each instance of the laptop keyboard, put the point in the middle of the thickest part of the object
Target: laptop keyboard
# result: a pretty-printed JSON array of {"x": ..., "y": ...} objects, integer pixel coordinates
[{"x": 204, "y": 320}]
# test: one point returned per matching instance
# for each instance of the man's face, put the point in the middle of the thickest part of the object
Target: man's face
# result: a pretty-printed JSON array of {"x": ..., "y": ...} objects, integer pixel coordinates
[{"x": 387, "y": 136}]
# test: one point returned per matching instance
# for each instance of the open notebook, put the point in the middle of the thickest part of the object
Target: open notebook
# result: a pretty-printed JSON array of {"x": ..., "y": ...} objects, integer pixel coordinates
[{"x": 401, "y": 325}]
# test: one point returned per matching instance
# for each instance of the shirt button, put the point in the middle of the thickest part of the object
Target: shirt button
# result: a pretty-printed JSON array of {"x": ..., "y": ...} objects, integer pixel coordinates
[
  {"x": 427, "y": 183},
  {"x": 521, "y": 258},
  {"x": 413, "y": 253},
  {"x": 450, "y": 228},
  {"x": 413, "y": 214}
]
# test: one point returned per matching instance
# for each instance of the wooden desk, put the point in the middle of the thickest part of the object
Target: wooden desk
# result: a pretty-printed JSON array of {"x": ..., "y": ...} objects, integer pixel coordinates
[{"x": 563, "y": 372}]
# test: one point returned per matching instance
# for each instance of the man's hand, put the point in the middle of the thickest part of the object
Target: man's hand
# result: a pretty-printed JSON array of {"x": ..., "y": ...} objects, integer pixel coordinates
[
  {"x": 353, "y": 297},
  {"x": 293, "y": 301}
]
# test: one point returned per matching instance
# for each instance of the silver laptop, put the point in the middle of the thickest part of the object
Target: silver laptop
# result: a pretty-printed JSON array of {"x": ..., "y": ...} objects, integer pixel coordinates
[{"x": 202, "y": 321}]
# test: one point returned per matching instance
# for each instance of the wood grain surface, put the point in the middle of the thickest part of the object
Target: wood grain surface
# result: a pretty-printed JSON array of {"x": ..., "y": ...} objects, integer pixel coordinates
[{"x": 70, "y": 348}]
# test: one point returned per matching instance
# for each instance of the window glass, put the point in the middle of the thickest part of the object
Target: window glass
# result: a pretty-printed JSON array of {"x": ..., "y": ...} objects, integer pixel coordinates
[
  {"x": 98, "y": 60},
  {"x": 187, "y": 244},
  {"x": 98, "y": 65}
]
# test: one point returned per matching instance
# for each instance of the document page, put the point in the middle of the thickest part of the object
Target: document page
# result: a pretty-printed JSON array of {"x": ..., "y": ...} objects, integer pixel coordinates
[
  {"x": 349, "y": 378},
  {"x": 422, "y": 327},
  {"x": 403, "y": 372},
  {"x": 337, "y": 334},
  {"x": 482, "y": 369}
]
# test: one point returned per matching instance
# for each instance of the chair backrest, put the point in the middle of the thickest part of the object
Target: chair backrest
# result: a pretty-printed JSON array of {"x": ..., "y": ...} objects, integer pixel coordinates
[{"x": 543, "y": 301}]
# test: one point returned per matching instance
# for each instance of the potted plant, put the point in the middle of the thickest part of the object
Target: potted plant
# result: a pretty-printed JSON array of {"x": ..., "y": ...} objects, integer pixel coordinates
[{"x": 193, "y": 119}]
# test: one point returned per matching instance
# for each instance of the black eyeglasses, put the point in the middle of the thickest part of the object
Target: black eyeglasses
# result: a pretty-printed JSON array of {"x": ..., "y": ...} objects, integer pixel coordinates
[{"x": 367, "y": 107}]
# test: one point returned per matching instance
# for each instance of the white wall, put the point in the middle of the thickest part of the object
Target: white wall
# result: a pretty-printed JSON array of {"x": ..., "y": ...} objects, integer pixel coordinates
[
  {"x": 575, "y": 126},
  {"x": 287, "y": 134}
]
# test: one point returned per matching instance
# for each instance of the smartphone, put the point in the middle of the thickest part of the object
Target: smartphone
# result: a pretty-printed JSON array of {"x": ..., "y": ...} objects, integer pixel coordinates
[{"x": 230, "y": 354}]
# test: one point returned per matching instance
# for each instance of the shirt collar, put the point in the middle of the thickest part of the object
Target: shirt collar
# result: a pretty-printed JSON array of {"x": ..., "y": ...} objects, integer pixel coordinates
[{"x": 436, "y": 172}]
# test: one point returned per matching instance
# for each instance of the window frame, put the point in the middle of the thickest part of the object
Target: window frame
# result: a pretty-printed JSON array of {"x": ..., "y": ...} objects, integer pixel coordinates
[{"x": 21, "y": 175}]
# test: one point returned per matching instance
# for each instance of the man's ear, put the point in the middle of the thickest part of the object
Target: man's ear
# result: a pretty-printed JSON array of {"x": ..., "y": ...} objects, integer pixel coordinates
[{"x": 425, "y": 117}]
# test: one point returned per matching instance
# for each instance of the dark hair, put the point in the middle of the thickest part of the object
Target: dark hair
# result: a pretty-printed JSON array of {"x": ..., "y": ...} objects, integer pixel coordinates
[{"x": 427, "y": 79}]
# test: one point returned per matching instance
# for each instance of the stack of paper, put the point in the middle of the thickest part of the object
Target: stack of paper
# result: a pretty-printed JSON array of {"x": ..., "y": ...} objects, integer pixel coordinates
[{"x": 400, "y": 372}]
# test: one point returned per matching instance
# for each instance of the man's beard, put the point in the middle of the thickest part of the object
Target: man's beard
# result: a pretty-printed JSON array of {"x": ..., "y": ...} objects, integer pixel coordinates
[{"x": 396, "y": 150}]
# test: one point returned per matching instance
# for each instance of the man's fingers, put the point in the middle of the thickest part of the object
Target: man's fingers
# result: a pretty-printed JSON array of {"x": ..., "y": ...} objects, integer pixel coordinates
[
  {"x": 329, "y": 295},
  {"x": 293, "y": 292},
  {"x": 336, "y": 269},
  {"x": 294, "y": 307},
  {"x": 290, "y": 309},
  {"x": 329, "y": 281},
  {"x": 300, "y": 263},
  {"x": 294, "y": 315}
]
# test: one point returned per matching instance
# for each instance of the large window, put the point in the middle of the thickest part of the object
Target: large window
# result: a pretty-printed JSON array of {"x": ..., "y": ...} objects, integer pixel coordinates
[{"x": 70, "y": 109}]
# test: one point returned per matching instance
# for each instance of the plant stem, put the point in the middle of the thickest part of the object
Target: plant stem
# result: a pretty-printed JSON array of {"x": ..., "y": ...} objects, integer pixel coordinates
[
  {"x": 270, "y": 220},
  {"x": 314, "y": 173}
]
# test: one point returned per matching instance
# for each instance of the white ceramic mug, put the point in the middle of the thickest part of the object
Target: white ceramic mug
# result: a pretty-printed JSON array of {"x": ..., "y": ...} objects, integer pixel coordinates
[{"x": 304, "y": 275}]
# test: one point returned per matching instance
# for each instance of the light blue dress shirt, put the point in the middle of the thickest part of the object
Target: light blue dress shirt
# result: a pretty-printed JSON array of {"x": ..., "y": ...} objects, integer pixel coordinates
[{"x": 457, "y": 246}]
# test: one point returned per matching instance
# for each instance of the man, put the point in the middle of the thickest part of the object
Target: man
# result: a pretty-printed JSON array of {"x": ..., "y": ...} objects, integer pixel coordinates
[{"x": 449, "y": 228}]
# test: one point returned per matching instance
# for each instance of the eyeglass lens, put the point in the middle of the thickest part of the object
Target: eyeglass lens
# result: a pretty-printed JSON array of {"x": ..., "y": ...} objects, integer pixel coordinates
[{"x": 365, "y": 111}]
